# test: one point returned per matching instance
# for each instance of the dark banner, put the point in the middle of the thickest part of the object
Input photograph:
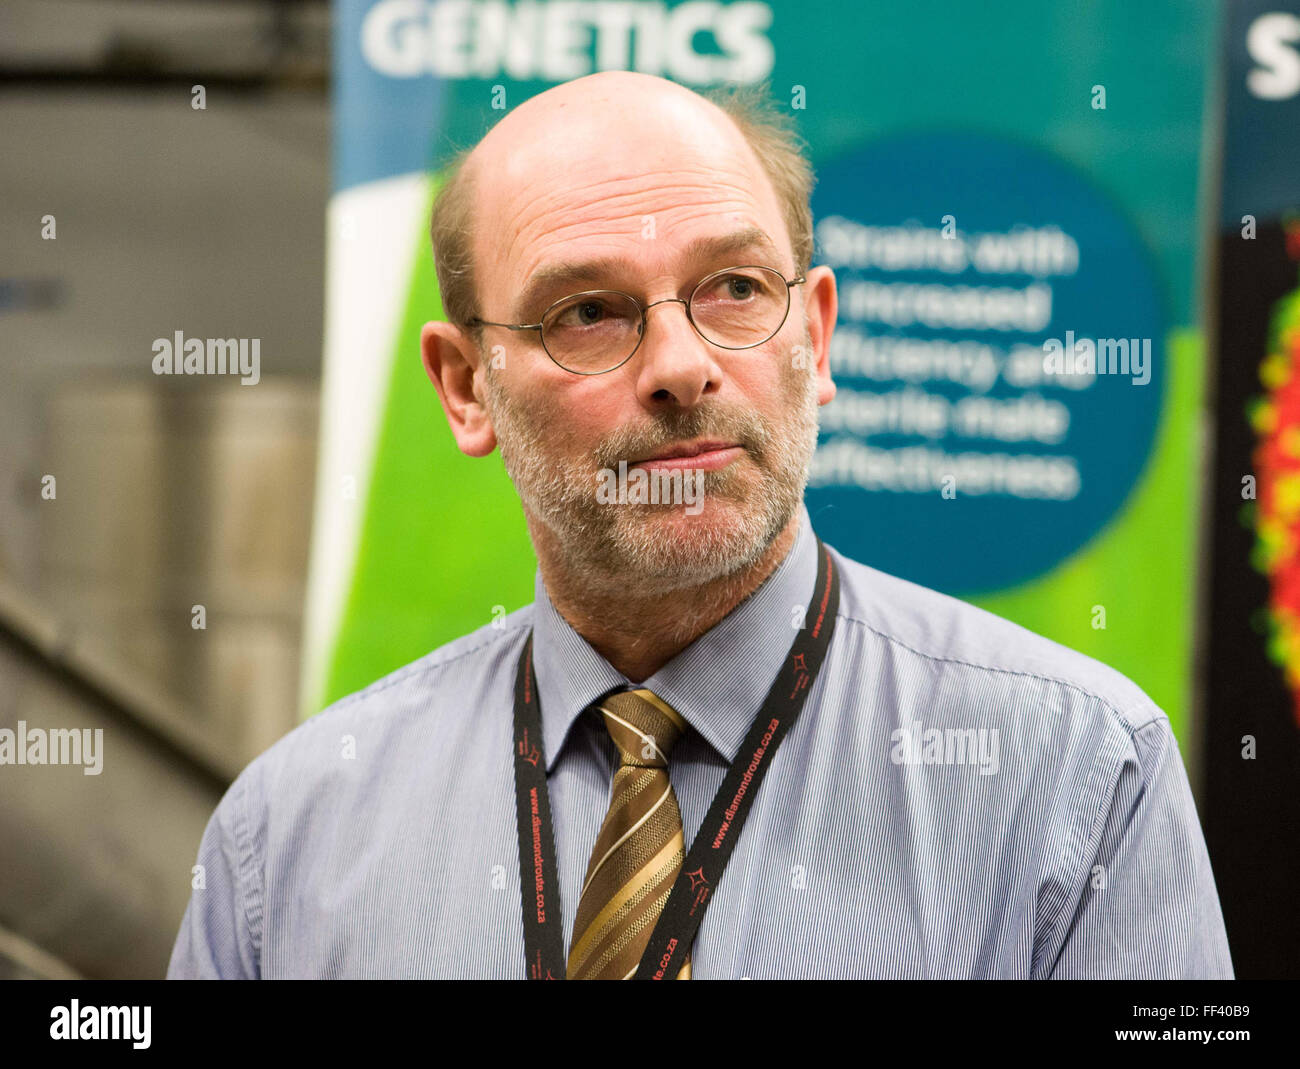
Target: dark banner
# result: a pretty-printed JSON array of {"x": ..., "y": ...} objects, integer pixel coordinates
[{"x": 1251, "y": 799}]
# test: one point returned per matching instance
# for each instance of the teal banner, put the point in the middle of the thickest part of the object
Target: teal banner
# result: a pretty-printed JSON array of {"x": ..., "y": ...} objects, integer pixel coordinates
[{"x": 1008, "y": 195}]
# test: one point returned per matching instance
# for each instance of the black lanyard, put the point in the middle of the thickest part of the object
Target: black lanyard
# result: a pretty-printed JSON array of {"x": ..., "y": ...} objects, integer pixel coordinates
[{"x": 703, "y": 867}]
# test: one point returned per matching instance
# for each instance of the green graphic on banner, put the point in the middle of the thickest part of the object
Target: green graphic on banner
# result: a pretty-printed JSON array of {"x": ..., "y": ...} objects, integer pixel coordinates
[{"x": 409, "y": 592}]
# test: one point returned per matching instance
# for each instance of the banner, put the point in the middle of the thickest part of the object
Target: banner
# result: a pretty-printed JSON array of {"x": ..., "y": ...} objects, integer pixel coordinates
[
  {"x": 1009, "y": 203},
  {"x": 1252, "y": 697}
]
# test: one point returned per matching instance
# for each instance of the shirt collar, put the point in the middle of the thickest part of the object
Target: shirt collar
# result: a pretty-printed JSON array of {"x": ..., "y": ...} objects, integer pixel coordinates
[{"x": 717, "y": 683}]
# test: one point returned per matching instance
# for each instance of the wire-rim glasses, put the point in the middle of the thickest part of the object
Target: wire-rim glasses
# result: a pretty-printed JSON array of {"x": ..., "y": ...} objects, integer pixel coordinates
[{"x": 597, "y": 331}]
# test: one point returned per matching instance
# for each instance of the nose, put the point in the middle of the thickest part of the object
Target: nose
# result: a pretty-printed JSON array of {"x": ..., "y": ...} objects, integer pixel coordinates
[{"x": 677, "y": 364}]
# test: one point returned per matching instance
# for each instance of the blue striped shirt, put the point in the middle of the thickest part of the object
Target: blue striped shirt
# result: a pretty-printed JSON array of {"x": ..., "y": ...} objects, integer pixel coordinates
[{"x": 958, "y": 798}]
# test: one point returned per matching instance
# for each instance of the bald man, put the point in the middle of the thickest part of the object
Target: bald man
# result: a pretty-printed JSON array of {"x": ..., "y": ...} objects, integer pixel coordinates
[{"x": 713, "y": 747}]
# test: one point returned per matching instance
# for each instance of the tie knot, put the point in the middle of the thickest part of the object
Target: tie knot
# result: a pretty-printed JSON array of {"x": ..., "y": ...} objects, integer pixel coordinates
[{"x": 643, "y": 726}]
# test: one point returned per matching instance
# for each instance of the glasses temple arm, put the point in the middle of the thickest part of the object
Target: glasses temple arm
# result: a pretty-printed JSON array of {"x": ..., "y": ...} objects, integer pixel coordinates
[{"x": 509, "y": 326}]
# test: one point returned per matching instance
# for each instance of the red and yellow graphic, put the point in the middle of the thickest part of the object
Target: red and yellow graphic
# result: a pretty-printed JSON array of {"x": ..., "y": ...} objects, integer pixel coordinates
[{"x": 1276, "y": 420}]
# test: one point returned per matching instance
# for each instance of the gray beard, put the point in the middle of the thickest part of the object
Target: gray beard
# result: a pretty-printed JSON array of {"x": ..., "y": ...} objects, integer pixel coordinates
[{"x": 612, "y": 547}]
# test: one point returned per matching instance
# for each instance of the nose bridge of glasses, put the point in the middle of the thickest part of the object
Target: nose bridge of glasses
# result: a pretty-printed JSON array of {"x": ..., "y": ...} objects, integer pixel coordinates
[
  {"x": 686, "y": 307},
  {"x": 669, "y": 300}
]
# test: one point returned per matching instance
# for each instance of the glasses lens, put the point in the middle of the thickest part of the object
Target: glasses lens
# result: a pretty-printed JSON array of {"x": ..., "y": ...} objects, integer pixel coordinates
[
  {"x": 592, "y": 332},
  {"x": 741, "y": 306}
]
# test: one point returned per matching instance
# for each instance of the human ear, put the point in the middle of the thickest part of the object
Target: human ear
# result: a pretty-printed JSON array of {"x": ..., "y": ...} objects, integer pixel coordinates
[
  {"x": 821, "y": 308},
  {"x": 451, "y": 360}
]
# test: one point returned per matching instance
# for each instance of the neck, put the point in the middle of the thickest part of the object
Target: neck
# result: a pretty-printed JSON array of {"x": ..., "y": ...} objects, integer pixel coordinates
[{"x": 636, "y": 631}]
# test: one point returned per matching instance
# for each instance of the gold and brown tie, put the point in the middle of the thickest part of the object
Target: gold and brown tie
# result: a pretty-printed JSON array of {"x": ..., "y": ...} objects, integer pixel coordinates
[{"x": 640, "y": 848}]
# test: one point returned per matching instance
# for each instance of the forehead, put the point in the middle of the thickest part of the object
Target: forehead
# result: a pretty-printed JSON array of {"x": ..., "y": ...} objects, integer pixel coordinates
[{"x": 642, "y": 189}]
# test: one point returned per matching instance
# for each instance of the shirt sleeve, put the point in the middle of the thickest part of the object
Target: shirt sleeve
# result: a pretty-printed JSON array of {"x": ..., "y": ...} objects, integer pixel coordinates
[
  {"x": 220, "y": 933},
  {"x": 1147, "y": 906}
]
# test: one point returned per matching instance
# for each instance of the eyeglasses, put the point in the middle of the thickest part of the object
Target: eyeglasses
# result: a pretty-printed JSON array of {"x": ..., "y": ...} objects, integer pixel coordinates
[{"x": 596, "y": 331}]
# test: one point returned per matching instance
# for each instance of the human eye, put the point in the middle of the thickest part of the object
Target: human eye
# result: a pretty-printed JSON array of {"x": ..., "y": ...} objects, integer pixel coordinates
[
  {"x": 588, "y": 311},
  {"x": 737, "y": 287}
]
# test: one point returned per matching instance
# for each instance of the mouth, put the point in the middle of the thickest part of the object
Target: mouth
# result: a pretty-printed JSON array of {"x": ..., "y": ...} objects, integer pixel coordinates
[{"x": 705, "y": 454}]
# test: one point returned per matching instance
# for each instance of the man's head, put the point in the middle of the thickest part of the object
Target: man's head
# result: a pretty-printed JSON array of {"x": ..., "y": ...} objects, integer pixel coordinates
[{"x": 640, "y": 183}]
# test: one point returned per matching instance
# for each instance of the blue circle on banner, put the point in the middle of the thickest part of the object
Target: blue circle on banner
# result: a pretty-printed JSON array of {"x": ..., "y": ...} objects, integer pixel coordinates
[{"x": 998, "y": 357}]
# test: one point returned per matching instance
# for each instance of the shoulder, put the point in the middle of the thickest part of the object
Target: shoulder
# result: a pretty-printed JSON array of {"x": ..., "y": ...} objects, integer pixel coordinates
[
  {"x": 994, "y": 662},
  {"x": 399, "y": 708},
  {"x": 1077, "y": 743}
]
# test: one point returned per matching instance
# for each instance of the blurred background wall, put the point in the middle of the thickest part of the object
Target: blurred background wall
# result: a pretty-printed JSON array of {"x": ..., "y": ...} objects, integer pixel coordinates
[{"x": 170, "y": 492}]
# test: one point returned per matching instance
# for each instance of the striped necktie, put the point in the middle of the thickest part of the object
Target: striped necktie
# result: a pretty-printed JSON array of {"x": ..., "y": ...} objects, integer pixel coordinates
[{"x": 640, "y": 848}]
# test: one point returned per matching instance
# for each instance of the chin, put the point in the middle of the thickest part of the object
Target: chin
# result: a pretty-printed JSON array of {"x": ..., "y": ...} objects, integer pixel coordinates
[{"x": 676, "y": 548}]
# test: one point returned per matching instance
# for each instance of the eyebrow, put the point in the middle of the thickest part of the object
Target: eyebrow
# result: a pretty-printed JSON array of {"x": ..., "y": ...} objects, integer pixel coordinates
[{"x": 558, "y": 280}]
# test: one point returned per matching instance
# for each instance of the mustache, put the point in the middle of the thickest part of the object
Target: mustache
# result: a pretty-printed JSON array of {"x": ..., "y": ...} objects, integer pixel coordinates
[{"x": 733, "y": 424}]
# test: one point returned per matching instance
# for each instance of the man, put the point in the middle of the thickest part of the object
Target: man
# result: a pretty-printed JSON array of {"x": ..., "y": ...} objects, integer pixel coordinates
[{"x": 712, "y": 747}]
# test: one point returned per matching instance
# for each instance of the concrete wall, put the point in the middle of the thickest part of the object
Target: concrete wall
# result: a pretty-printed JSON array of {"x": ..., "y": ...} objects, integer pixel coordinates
[{"x": 170, "y": 493}]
